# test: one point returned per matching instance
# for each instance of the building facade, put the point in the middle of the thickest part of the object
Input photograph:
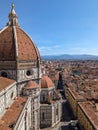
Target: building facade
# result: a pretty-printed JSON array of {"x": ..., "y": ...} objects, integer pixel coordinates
[
  {"x": 21, "y": 93},
  {"x": 50, "y": 111},
  {"x": 83, "y": 109}
]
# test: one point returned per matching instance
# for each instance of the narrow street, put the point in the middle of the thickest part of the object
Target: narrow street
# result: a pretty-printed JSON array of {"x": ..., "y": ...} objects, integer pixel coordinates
[
  {"x": 67, "y": 118},
  {"x": 67, "y": 113}
]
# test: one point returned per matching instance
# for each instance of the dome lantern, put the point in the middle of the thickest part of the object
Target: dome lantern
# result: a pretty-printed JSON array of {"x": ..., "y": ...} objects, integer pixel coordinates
[{"x": 13, "y": 19}]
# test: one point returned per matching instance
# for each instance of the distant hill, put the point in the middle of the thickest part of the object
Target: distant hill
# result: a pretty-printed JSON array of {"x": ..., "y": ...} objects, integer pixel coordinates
[{"x": 70, "y": 57}]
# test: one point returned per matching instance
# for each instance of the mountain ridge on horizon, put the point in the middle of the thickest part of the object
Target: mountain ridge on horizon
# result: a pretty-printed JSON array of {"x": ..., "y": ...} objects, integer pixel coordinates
[{"x": 70, "y": 57}]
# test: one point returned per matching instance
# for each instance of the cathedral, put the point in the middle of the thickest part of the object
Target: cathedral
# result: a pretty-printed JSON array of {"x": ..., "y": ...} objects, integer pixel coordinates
[{"x": 28, "y": 98}]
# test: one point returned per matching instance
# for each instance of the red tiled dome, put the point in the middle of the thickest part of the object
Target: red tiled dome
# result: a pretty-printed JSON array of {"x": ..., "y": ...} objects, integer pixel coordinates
[
  {"x": 15, "y": 44},
  {"x": 7, "y": 47},
  {"x": 46, "y": 82}
]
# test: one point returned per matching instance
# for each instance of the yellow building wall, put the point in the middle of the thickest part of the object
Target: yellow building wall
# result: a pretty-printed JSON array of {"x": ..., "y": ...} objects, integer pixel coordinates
[
  {"x": 72, "y": 102},
  {"x": 83, "y": 120}
]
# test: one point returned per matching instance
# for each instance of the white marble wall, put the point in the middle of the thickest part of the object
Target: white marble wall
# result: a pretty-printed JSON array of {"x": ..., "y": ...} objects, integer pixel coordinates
[
  {"x": 7, "y": 97},
  {"x": 22, "y": 74},
  {"x": 24, "y": 120},
  {"x": 20, "y": 87},
  {"x": 10, "y": 73},
  {"x": 35, "y": 107},
  {"x": 56, "y": 112},
  {"x": 36, "y": 112}
]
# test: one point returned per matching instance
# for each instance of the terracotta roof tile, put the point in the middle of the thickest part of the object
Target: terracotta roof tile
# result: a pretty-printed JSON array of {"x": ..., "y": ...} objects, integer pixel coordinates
[
  {"x": 26, "y": 48},
  {"x": 3, "y": 126},
  {"x": 54, "y": 77},
  {"x": 13, "y": 113},
  {"x": 90, "y": 112},
  {"x": 5, "y": 82},
  {"x": 31, "y": 85},
  {"x": 7, "y": 48},
  {"x": 76, "y": 95}
]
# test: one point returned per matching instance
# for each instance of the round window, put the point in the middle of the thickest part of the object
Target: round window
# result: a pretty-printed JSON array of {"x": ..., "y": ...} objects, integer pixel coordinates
[
  {"x": 29, "y": 72},
  {"x": 4, "y": 74}
]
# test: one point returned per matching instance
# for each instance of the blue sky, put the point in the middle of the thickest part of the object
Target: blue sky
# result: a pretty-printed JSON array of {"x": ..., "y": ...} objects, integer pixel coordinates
[{"x": 57, "y": 26}]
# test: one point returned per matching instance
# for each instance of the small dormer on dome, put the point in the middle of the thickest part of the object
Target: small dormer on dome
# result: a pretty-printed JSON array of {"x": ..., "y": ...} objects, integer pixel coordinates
[
  {"x": 13, "y": 19},
  {"x": 31, "y": 85},
  {"x": 31, "y": 88}
]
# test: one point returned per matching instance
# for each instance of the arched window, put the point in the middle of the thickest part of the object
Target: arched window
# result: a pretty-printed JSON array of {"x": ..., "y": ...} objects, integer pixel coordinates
[{"x": 4, "y": 74}]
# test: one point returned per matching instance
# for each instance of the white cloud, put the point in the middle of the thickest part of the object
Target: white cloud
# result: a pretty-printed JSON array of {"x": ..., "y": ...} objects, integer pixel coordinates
[
  {"x": 61, "y": 49},
  {"x": 56, "y": 46},
  {"x": 45, "y": 48},
  {"x": 48, "y": 50}
]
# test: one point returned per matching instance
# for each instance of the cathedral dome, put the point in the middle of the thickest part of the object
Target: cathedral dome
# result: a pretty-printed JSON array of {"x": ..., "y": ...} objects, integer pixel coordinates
[
  {"x": 46, "y": 82},
  {"x": 15, "y": 44}
]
